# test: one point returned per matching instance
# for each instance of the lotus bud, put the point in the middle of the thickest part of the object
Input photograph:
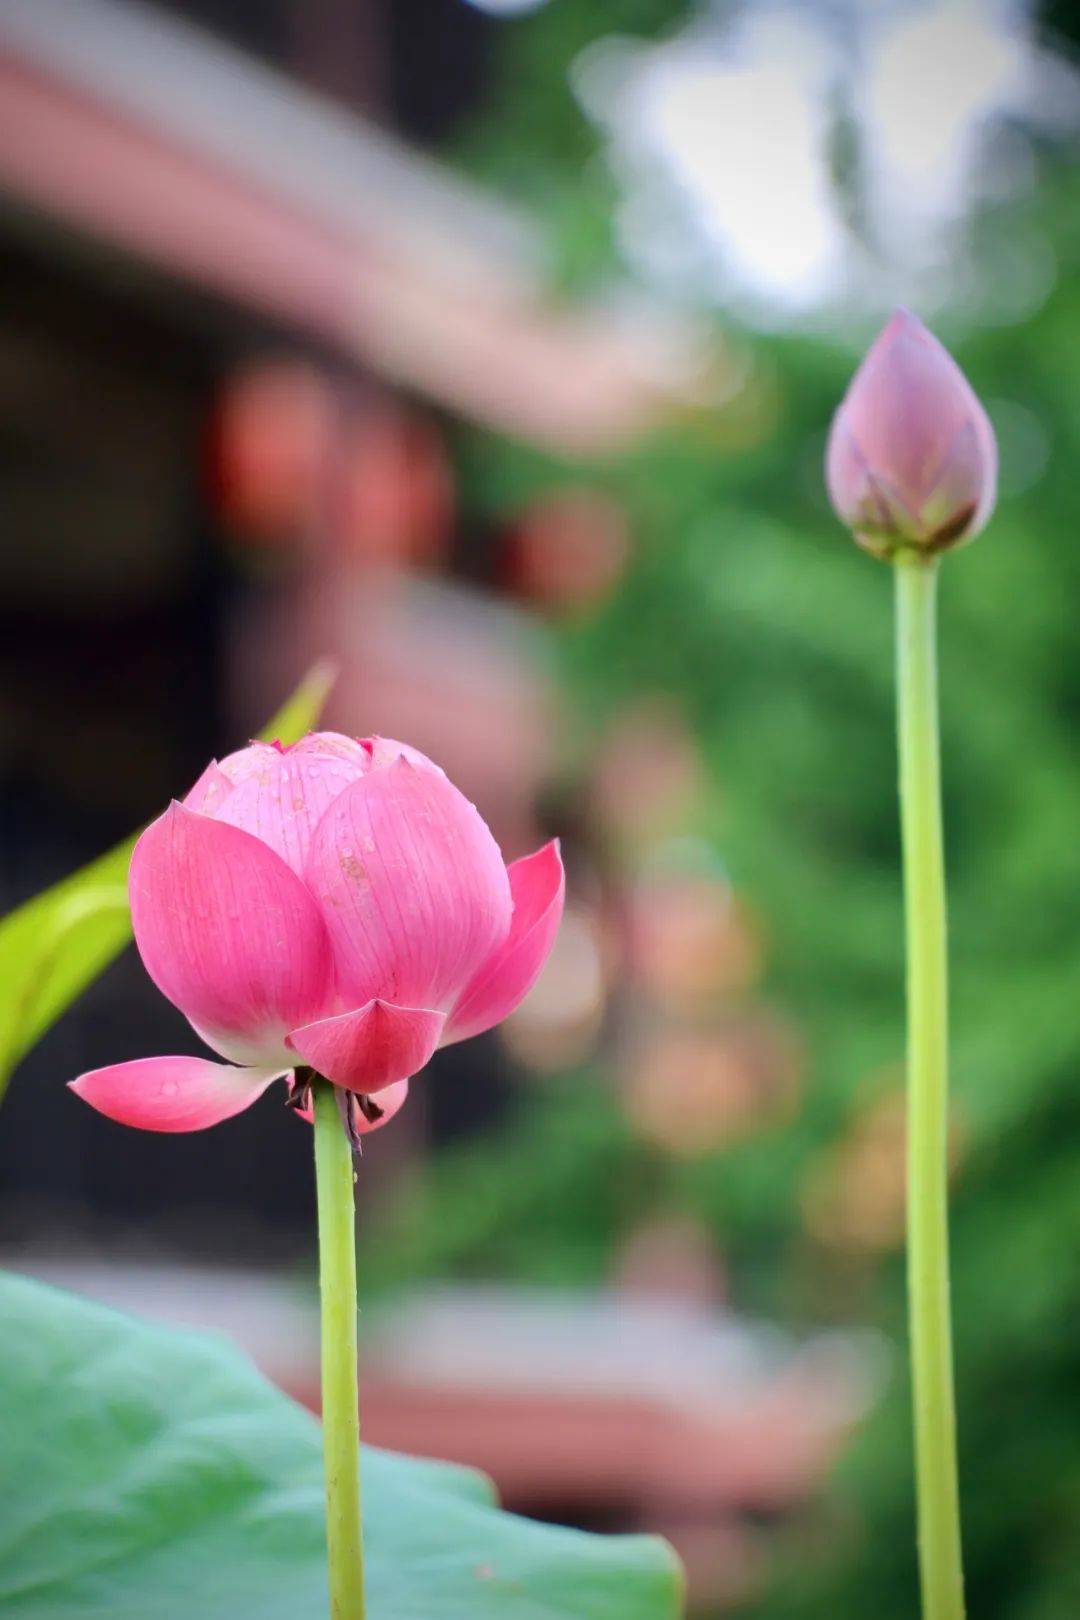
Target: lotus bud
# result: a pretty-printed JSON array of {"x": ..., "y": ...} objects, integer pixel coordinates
[{"x": 911, "y": 464}]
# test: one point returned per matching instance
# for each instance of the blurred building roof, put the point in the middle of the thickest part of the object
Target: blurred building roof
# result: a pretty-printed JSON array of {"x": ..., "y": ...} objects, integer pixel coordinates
[{"x": 149, "y": 136}]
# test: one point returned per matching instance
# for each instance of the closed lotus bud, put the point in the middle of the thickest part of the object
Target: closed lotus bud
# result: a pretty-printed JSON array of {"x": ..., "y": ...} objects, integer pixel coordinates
[{"x": 912, "y": 462}]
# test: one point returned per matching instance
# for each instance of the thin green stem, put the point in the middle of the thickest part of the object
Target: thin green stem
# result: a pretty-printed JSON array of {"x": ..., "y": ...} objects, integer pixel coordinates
[
  {"x": 340, "y": 1409},
  {"x": 937, "y": 1492}
]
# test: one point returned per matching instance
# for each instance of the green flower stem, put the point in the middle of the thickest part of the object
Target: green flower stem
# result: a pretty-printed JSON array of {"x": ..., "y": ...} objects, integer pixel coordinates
[
  {"x": 937, "y": 1493},
  {"x": 340, "y": 1409}
]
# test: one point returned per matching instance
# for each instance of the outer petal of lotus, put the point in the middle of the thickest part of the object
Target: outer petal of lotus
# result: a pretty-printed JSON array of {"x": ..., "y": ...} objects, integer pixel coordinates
[
  {"x": 229, "y": 934},
  {"x": 871, "y": 503},
  {"x": 965, "y": 484},
  {"x": 389, "y": 1102},
  {"x": 906, "y": 404},
  {"x": 412, "y": 888},
  {"x": 172, "y": 1093},
  {"x": 538, "y": 885},
  {"x": 371, "y": 1048}
]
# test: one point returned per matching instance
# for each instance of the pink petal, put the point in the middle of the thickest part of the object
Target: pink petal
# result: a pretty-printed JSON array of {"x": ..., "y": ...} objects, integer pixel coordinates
[
  {"x": 210, "y": 790},
  {"x": 538, "y": 885},
  {"x": 390, "y": 1102},
  {"x": 411, "y": 885},
  {"x": 282, "y": 795},
  {"x": 253, "y": 759},
  {"x": 871, "y": 504},
  {"x": 371, "y": 1048},
  {"x": 172, "y": 1093},
  {"x": 229, "y": 934},
  {"x": 966, "y": 481},
  {"x": 349, "y": 751},
  {"x": 249, "y": 761},
  {"x": 906, "y": 404},
  {"x": 385, "y": 752}
]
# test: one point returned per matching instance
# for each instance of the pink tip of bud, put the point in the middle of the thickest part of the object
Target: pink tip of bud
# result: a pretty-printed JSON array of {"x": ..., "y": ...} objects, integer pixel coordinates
[{"x": 911, "y": 464}]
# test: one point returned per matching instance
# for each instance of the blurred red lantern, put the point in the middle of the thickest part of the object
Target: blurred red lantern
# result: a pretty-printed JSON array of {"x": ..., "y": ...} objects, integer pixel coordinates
[
  {"x": 268, "y": 450},
  {"x": 398, "y": 495},
  {"x": 567, "y": 550},
  {"x": 288, "y": 454}
]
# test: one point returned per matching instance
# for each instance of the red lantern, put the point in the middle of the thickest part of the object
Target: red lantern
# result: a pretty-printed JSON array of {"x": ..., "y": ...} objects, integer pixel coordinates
[
  {"x": 269, "y": 447},
  {"x": 568, "y": 550},
  {"x": 397, "y": 497}
]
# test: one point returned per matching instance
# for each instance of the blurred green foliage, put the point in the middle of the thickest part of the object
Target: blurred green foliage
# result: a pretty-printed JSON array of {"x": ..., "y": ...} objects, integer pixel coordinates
[{"x": 749, "y": 608}]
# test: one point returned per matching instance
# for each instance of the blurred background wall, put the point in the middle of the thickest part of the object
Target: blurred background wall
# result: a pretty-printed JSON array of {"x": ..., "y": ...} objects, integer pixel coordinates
[{"x": 491, "y": 349}]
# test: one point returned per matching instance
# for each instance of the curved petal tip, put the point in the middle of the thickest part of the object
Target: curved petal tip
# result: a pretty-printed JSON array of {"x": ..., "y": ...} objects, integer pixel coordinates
[{"x": 538, "y": 887}]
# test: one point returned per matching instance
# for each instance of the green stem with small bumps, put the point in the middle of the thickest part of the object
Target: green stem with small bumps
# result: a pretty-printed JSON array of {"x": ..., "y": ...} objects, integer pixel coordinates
[{"x": 340, "y": 1405}]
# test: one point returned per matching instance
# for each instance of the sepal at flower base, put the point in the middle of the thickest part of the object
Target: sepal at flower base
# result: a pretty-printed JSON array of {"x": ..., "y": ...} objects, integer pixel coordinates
[{"x": 371, "y": 1048}]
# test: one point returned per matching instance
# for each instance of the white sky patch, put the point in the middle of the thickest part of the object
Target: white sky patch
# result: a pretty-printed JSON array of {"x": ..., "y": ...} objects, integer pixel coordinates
[
  {"x": 740, "y": 133},
  {"x": 507, "y": 8},
  {"x": 723, "y": 136},
  {"x": 935, "y": 77}
]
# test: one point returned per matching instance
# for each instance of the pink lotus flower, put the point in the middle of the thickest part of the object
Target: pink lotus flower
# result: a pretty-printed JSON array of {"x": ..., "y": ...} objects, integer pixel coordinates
[
  {"x": 912, "y": 460},
  {"x": 337, "y": 905}
]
